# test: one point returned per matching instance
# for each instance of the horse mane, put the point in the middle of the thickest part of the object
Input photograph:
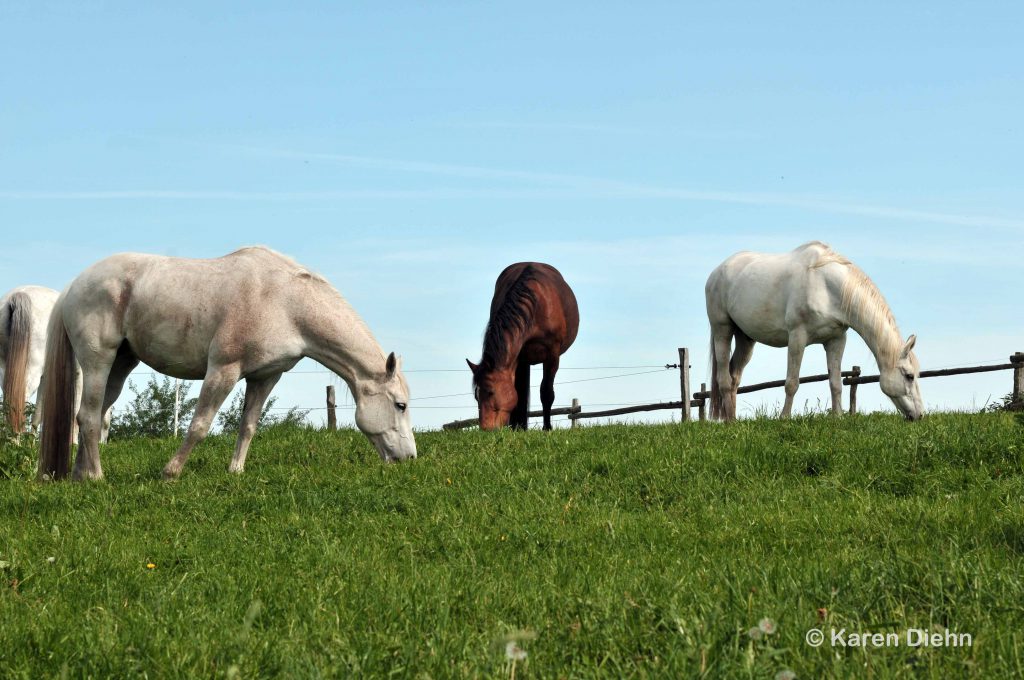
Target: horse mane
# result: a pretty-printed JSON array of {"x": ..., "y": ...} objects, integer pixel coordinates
[
  {"x": 513, "y": 315},
  {"x": 863, "y": 303}
]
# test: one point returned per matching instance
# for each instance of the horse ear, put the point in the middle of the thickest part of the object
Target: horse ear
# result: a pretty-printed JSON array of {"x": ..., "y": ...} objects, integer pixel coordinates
[
  {"x": 473, "y": 367},
  {"x": 391, "y": 366},
  {"x": 911, "y": 341}
]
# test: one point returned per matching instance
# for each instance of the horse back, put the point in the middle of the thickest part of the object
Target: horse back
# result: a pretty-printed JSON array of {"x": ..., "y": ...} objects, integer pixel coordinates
[
  {"x": 176, "y": 313},
  {"x": 556, "y": 318},
  {"x": 767, "y": 294}
]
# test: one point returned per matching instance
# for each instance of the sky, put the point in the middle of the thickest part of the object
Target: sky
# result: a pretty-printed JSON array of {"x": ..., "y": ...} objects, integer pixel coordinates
[{"x": 410, "y": 151}]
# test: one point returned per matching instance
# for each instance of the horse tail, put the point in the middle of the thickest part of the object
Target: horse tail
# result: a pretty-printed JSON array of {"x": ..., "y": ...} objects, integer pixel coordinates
[
  {"x": 717, "y": 403},
  {"x": 19, "y": 335},
  {"x": 59, "y": 391}
]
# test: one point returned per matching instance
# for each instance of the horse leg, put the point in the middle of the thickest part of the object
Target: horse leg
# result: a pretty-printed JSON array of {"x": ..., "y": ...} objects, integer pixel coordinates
[
  {"x": 37, "y": 413},
  {"x": 37, "y": 416},
  {"x": 797, "y": 344},
  {"x": 256, "y": 393},
  {"x": 124, "y": 364},
  {"x": 834, "y": 358},
  {"x": 740, "y": 358},
  {"x": 217, "y": 386},
  {"x": 547, "y": 388},
  {"x": 90, "y": 415},
  {"x": 722, "y": 344},
  {"x": 520, "y": 418},
  {"x": 78, "y": 404},
  {"x": 105, "y": 427},
  {"x": 33, "y": 376}
]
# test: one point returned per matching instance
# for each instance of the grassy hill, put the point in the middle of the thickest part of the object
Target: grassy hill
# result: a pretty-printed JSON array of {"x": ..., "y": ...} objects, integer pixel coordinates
[{"x": 612, "y": 551}]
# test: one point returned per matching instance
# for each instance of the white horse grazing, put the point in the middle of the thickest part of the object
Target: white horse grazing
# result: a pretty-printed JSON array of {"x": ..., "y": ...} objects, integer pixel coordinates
[
  {"x": 251, "y": 314},
  {"x": 808, "y": 296},
  {"x": 24, "y": 313}
]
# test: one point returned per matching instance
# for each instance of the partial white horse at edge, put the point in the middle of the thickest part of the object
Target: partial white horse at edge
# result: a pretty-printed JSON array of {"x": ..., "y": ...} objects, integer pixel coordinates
[
  {"x": 249, "y": 315},
  {"x": 24, "y": 317},
  {"x": 811, "y": 295},
  {"x": 24, "y": 312}
]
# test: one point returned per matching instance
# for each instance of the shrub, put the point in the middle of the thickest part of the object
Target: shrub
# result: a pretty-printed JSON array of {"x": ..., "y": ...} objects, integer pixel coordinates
[
  {"x": 151, "y": 412},
  {"x": 230, "y": 417}
]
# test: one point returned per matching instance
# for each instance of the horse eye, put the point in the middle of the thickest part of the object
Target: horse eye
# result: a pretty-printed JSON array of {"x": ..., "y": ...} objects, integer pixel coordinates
[{"x": 400, "y": 405}]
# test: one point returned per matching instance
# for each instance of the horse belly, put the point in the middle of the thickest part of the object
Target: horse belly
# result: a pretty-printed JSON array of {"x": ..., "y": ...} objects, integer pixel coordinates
[
  {"x": 762, "y": 318},
  {"x": 175, "y": 349},
  {"x": 161, "y": 358}
]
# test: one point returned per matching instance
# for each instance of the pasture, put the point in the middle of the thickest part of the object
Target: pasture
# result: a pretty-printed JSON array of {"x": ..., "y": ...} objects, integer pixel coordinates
[{"x": 605, "y": 551}]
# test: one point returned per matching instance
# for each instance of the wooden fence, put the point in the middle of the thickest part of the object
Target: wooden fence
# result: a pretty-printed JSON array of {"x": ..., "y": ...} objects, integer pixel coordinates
[{"x": 699, "y": 400}]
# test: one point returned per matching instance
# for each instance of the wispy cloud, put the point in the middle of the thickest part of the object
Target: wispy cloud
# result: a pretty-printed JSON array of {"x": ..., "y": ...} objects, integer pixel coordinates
[
  {"x": 543, "y": 185},
  {"x": 556, "y": 127},
  {"x": 217, "y": 195},
  {"x": 605, "y": 129},
  {"x": 616, "y": 188}
]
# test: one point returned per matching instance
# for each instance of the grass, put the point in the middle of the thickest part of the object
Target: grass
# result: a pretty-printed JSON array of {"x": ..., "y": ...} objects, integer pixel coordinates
[{"x": 612, "y": 551}]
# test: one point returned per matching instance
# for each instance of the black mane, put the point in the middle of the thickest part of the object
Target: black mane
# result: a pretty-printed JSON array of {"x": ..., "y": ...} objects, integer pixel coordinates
[{"x": 514, "y": 315}]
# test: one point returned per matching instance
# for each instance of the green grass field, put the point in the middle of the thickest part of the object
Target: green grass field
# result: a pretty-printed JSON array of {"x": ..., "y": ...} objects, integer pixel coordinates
[{"x": 613, "y": 551}]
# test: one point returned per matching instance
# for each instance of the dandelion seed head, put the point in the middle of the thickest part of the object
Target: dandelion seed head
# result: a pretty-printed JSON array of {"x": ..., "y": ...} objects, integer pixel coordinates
[
  {"x": 755, "y": 633},
  {"x": 514, "y": 652},
  {"x": 766, "y": 626}
]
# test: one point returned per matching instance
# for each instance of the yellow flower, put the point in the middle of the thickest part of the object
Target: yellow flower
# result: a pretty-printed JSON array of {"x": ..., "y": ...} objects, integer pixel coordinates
[
  {"x": 449, "y": 480},
  {"x": 150, "y": 566}
]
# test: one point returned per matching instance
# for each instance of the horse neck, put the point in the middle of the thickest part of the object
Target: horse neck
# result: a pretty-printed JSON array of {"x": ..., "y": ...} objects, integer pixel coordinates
[
  {"x": 868, "y": 313},
  {"x": 336, "y": 337},
  {"x": 510, "y": 325},
  {"x": 511, "y": 344}
]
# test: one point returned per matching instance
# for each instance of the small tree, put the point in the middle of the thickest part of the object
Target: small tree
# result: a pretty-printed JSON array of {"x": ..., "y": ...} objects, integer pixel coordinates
[
  {"x": 230, "y": 416},
  {"x": 151, "y": 412}
]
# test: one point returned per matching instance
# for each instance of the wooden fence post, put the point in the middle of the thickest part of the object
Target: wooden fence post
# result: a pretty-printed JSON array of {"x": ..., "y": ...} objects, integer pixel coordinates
[
  {"x": 702, "y": 411},
  {"x": 575, "y": 410},
  {"x": 1017, "y": 359},
  {"x": 332, "y": 416},
  {"x": 853, "y": 390},
  {"x": 684, "y": 382}
]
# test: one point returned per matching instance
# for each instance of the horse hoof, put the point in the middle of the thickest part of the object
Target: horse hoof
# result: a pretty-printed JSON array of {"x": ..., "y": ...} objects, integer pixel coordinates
[{"x": 170, "y": 474}]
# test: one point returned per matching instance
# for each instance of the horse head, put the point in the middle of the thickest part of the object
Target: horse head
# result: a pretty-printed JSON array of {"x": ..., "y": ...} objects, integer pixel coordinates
[
  {"x": 495, "y": 393},
  {"x": 900, "y": 382},
  {"x": 382, "y": 413}
]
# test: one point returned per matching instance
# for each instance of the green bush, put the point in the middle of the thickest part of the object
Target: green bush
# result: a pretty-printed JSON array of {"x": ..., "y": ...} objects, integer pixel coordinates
[
  {"x": 151, "y": 412},
  {"x": 230, "y": 417}
]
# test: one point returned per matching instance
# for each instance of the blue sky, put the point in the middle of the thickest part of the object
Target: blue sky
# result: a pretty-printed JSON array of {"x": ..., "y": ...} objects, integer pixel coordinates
[{"x": 409, "y": 151}]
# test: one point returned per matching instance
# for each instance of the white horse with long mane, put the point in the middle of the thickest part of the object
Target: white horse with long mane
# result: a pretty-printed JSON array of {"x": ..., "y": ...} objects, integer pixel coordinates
[
  {"x": 811, "y": 295},
  {"x": 249, "y": 315},
  {"x": 24, "y": 312}
]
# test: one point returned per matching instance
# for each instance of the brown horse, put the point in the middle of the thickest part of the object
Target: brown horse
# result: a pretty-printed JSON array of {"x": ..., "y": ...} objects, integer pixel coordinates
[{"x": 534, "y": 319}]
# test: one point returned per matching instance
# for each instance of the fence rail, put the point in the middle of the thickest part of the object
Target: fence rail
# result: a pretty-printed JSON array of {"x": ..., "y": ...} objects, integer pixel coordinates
[{"x": 699, "y": 399}]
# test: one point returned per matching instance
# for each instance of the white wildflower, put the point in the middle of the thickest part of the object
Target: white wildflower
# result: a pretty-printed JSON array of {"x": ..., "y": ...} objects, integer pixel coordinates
[{"x": 514, "y": 652}]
